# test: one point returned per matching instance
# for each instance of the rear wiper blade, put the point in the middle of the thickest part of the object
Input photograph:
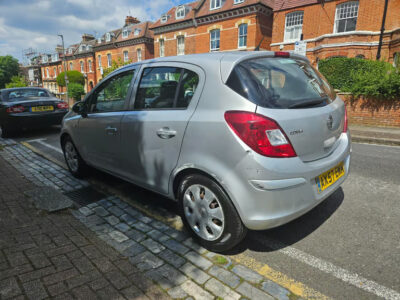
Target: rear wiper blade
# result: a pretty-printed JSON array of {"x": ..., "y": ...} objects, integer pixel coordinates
[{"x": 308, "y": 103}]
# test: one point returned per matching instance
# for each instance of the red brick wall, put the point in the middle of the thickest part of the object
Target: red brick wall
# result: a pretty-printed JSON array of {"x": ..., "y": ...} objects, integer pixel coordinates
[{"x": 358, "y": 115}]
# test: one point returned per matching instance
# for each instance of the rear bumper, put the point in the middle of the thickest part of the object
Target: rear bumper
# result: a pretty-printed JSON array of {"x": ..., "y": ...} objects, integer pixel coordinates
[
  {"x": 283, "y": 189},
  {"x": 32, "y": 120}
]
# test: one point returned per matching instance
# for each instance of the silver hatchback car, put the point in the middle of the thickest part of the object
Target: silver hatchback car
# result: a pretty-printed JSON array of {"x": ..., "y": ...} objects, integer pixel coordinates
[{"x": 242, "y": 140}]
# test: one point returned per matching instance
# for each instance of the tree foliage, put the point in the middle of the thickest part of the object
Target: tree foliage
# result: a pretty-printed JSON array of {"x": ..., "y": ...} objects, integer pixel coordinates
[
  {"x": 9, "y": 67},
  {"x": 73, "y": 77},
  {"x": 115, "y": 65},
  {"x": 75, "y": 91},
  {"x": 16, "y": 81}
]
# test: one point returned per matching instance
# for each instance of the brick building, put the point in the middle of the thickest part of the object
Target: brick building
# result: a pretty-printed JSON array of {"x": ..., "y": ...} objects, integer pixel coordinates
[
  {"x": 50, "y": 67},
  {"x": 131, "y": 43},
  {"x": 337, "y": 28},
  {"x": 214, "y": 25}
]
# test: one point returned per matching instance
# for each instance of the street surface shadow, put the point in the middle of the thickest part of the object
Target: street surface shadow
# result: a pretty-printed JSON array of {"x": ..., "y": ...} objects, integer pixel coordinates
[
  {"x": 36, "y": 133},
  {"x": 280, "y": 237}
]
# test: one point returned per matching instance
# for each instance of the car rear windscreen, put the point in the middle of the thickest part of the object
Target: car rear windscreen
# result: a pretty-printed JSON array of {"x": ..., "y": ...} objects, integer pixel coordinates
[
  {"x": 25, "y": 94},
  {"x": 275, "y": 82}
]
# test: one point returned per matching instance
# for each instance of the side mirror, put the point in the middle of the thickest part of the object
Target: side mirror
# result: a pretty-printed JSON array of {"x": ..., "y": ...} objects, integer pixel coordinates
[{"x": 80, "y": 108}]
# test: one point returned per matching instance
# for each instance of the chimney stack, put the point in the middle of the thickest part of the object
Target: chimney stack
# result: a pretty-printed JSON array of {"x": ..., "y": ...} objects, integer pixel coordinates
[
  {"x": 87, "y": 37},
  {"x": 129, "y": 20}
]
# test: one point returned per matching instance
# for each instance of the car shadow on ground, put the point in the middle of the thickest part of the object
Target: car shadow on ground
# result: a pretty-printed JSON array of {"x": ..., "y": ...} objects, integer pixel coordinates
[{"x": 37, "y": 133}]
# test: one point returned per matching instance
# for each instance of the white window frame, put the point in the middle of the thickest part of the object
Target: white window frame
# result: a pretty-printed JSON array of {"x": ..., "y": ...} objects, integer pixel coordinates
[
  {"x": 99, "y": 40},
  {"x": 99, "y": 60},
  {"x": 82, "y": 48},
  {"x": 242, "y": 35},
  {"x": 71, "y": 66},
  {"x": 47, "y": 73},
  {"x": 346, "y": 11},
  {"x": 162, "y": 47},
  {"x": 215, "y": 39},
  {"x": 137, "y": 31},
  {"x": 180, "y": 12},
  {"x": 59, "y": 69},
  {"x": 70, "y": 51},
  {"x": 109, "y": 60},
  {"x": 108, "y": 37},
  {"x": 82, "y": 64},
  {"x": 180, "y": 45},
  {"x": 139, "y": 54},
  {"x": 45, "y": 59},
  {"x": 294, "y": 22},
  {"x": 164, "y": 18},
  {"x": 90, "y": 65},
  {"x": 125, "y": 33},
  {"x": 55, "y": 72},
  {"x": 126, "y": 56},
  {"x": 215, "y": 4},
  {"x": 238, "y": 1}
]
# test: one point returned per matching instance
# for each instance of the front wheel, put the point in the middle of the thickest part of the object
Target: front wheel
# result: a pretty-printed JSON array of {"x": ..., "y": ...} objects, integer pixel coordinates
[
  {"x": 75, "y": 163},
  {"x": 209, "y": 214}
]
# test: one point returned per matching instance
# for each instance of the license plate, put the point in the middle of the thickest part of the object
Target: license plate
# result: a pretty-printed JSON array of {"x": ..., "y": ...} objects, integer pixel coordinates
[
  {"x": 42, "y": 108},
  {"x": 329, "y": 177}
]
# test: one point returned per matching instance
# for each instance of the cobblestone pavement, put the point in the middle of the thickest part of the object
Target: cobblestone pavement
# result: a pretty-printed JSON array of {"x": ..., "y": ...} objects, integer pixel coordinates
[{"x": 109, "y": 250}]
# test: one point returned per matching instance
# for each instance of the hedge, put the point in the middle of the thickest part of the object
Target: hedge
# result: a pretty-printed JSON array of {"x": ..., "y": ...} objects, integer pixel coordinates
[
  {"x": 75, "y": 90},
  {"x": 369, "y": 79},
  {"x": 73, "y": 77}
]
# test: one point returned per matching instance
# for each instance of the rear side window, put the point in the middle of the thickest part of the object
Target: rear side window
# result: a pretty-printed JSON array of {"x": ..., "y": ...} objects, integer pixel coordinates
[
  {"x": 165, "y": 88},
  {"x": 280, "y": 83}
]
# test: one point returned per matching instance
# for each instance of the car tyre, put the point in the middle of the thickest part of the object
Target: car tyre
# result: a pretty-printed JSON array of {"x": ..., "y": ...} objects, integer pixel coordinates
[
  {"x": 74, "y": 161},
  {"x": 209, "y": 214}
]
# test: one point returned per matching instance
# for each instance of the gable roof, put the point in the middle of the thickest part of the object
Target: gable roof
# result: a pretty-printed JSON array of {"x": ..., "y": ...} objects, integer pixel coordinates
[
  {"x": 203, "y": 8},
  {"x": 287, "y": 4},
  {"x": 144, "y": 31}
]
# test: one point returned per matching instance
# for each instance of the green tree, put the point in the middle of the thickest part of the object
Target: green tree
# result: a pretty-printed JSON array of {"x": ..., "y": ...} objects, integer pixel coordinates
[
  {"x": 115, "y": 65},
  {"x": 16, "y": 81},
  {"x": 73, "y": 77},
  {"x": 75, "y": 91},
  {"x": 9, "y": 67}
]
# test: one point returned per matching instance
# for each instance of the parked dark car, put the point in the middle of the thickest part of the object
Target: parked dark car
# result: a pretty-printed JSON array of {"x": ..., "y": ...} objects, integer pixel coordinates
[{"x": 31, "y": 107}]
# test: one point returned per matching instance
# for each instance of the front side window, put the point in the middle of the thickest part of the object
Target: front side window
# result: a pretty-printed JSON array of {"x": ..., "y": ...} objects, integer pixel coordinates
[
  {"x": 112, "y": 94},
  {"x": 181, "y": 45},
  {"x": 162, "y": 48},
  {"x": 294, "y": 26},
  {"x": 214, "y": 4},
  {"x": 242, "y": 42},
  {"x": 90, "y": 65},
  {"x": 109, "y": 60},
  {"x": 126, "y": 57},
  {"x": 99, "y": 60},
  {"x": 82, "y": 66},
  {"x": 346, "y": 16},
  {"x": 139, "y": 54},
  {"x": 280, "y": 83},
  {"x": 166, "y": 87},
  {"x": 214, "y": 40}
]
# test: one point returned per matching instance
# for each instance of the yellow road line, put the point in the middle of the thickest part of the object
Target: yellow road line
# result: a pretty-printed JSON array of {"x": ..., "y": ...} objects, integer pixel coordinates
[{"x": 292, "y": 285}]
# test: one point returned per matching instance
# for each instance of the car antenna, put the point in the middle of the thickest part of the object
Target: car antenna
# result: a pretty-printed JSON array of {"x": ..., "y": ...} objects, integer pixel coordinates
[{"x": 258, "y": 47}]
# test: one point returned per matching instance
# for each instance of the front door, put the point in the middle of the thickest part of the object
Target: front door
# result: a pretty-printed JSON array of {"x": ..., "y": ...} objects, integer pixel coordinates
[
  {"x": 154, "y": 127},
  {"x": 100, "y": 131}
]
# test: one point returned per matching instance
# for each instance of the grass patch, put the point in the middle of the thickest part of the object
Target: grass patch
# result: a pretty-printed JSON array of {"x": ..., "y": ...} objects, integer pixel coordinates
[
  {"x": 220, "y": 260},
  {"x": 230, "y": 267},
  {"x": 293, "y": 296}
]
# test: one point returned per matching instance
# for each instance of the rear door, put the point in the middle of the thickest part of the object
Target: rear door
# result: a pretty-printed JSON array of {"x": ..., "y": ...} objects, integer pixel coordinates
[
  {"x": 153, "y": 129},
  {"x": 99, "y": 134}
]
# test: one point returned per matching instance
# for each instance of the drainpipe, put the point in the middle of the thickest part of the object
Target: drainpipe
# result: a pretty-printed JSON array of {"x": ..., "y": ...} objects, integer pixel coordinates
[{"x": 378, "y": 55}]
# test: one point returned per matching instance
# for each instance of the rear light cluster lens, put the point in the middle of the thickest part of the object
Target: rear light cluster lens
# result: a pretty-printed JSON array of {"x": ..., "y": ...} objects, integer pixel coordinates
[
  {"x": 62, "y": 105},
  {"x": 345, "y": 120},
  {"x": 15, "y": 109},
  {"x": 261, "y": 134},
  {"x": 282, "y": 54}
]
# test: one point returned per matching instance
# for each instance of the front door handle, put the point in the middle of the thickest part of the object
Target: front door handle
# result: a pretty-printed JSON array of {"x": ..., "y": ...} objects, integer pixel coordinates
[
  {"x": 166, "y": 133},
  {"x": 111, "y": 130}
]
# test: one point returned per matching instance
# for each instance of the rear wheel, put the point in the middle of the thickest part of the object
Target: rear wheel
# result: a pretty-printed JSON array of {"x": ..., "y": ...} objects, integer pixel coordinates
[
  {"x": 75, "y": 163},
  {"x": 209, "y": 214}
]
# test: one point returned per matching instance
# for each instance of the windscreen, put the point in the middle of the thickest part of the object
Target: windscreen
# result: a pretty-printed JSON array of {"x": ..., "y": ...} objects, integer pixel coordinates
[
  {"x": 25, "y": 94},
  {"x": 280, "y": 83}
]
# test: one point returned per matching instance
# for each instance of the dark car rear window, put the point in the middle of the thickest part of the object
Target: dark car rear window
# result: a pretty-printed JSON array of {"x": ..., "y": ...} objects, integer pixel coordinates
[
  {"x": 24, "y": 94},
  {"x": 280, "y": 83}
]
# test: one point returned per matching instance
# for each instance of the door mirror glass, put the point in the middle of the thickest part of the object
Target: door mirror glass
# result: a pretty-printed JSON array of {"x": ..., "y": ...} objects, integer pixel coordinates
[{"x": 78, "y": 107}]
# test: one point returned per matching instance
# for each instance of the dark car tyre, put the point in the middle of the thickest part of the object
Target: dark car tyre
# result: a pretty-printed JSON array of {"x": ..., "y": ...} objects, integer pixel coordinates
[
  {"x": 74, "y": 161},
  {"x": 209, "y": 214}
]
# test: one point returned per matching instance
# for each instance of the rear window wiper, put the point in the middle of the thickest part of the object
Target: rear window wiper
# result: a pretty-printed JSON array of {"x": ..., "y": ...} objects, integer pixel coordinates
[{"x": 308, "y": 103}]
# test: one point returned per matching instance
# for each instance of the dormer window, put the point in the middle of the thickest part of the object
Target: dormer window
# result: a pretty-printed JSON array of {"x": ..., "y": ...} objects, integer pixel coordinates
[
  {"x": 70, "y": 51},
  {"x": 45, "y": 59},
  {"x": 180, "y": 12},
  {"x": 82, "y": 48},
  {"x": 54, "y": 57},
  {"x": 108, "y": 37},
  {"x": 215, "y": 4},
  {"x": 99, "y": 40},
  {"x": 238, "y": 1},
  {"x": 125, "y": 33},
  {"x": 137, "y": 31},
  {"x": 164, "y": 18}
]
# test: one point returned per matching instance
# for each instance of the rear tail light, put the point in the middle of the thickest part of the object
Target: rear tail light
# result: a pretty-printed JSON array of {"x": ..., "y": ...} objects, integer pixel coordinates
[
  {"x": 282, "y": 54},
  {"x": 345, "y": 120},
  {"x": 15, "y": 109},
  {"x": 62, "y": 105},
  {"x": 261, "y": 134}
]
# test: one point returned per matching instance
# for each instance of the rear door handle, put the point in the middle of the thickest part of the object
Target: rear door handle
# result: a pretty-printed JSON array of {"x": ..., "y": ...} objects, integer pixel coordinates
[
  {"x": 166, "y": 133},
  {"x": 111, "y": 130}
]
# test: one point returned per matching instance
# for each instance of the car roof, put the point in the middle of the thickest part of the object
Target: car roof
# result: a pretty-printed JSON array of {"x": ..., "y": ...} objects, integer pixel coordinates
[{"x": 22, "y": 88}]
